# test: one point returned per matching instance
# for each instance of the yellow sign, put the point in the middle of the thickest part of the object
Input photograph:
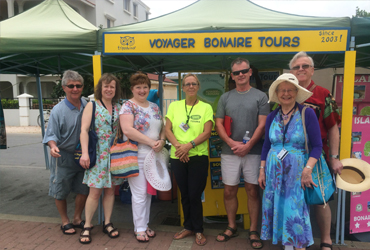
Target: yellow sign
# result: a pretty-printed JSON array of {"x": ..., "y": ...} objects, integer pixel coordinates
[{"x": 323, "y": 40}]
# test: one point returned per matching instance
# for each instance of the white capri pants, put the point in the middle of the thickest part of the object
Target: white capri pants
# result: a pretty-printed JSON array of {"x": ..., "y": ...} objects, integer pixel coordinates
[{"x": 140, "y": 199}]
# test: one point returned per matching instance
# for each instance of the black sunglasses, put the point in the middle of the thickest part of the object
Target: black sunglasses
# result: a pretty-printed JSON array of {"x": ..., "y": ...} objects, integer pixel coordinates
[
  {"x": 71, "y": 86},
  {"x": 243, "y": 71},
  {"x": 304, "y": 66}
]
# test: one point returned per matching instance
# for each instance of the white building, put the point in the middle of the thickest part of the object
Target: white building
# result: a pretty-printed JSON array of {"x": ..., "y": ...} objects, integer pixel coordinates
[{"x": 101, "y": 13}]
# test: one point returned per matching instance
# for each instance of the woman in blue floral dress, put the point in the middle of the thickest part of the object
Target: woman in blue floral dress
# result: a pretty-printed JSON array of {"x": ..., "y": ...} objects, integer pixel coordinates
[
  {"x": 284, "y": 172},
  {"x": 107, "y": 94},
  {"x": 141, "y": 121}
]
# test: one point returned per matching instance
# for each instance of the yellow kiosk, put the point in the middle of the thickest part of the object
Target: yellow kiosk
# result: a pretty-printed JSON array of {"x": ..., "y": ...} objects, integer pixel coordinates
[{"x": 208, "y": 35}]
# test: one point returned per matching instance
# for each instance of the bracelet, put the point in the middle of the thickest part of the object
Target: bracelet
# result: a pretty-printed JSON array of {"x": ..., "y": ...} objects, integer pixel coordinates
[
  {"x": 193, "y": 144},
  {"x": 309, "y": 167},
  {"x": 163, "y": 140},
  {"x": 262, "y": 167}
]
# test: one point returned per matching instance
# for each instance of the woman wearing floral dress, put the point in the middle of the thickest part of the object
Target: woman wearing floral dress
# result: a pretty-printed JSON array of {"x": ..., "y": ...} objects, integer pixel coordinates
[
  {"x": 107, "y": 94},
  {"x": 285, "y": 171},
  {"x": 141, "y": 121}
]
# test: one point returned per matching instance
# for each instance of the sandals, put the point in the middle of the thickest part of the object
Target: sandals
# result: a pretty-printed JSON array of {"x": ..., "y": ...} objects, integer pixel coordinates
[
  {"x": 66, "y": 227},
  {"x": 233, "y": 231},
  {"x": 200, "y": 239},
  {"x": 326, "y": 245},
  {"x": 142, "y": 235},
  {"x": 82, "y": 236},
  {"x": 182, "y": 234},
  {"x": 105, "y": 230},
  {"x": 81, "y": 225},
  {"x": 254, "y": 240},
  {"x": 150, "y": 233}
]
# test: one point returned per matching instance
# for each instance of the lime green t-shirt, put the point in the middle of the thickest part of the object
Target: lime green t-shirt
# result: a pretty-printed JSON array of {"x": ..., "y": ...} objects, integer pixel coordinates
[{"x": 201, "y": 113}]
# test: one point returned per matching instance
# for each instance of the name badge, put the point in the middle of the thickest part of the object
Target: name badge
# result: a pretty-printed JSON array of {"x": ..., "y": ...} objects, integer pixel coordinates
[
  {"x": 282, "y": 154},
  {"x": 184, "y": 127}
]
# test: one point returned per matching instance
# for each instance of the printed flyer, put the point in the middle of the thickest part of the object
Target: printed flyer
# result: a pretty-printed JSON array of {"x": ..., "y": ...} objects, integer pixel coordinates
[{"x": 360, "y": 201}]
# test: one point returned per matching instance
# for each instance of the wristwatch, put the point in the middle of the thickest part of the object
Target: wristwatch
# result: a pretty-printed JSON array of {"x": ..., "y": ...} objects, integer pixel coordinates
[
  {"x": 334, "y": 156},
  {"x": 193, "y": 143}
]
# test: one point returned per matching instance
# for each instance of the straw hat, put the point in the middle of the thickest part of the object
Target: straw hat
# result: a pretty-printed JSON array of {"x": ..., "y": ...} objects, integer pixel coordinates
[
  {"x": 156, "y": 171},
  {"x": 302, "y": 95},
  {"x": 355, "y": 175}
]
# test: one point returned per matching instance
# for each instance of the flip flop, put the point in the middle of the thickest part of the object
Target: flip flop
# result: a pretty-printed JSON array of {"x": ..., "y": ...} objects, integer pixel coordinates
[
  {"x": 143, "y": 235},
  {"x": 234, "y": 233},
  {"x": 198, "y": 239},
  {"x": 148, "y": 230},
  {"x": 66, "y": 228}
]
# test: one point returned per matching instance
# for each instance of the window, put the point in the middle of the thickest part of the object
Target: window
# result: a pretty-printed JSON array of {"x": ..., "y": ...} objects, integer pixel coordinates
[
  {"x": 146, "y": 16},
  {"x": 110, "y": 20},
  {"x": 109, "y": 23},
  {"x": 127, "y": 5},
  {"x": 135, "y": 10}
]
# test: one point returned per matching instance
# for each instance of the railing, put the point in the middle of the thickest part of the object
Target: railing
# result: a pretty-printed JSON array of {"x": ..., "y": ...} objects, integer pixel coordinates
[
  {"x": 48, "y": 103},
  {"x": 166, "y": 104}
]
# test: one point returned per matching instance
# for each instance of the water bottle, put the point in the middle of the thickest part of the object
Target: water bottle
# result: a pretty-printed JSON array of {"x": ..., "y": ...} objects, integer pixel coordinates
[{"x": 246, "y": 137}]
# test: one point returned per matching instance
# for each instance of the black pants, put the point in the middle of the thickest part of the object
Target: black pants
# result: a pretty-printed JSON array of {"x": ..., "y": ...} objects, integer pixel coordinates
[{"x": 191, "y": 179}]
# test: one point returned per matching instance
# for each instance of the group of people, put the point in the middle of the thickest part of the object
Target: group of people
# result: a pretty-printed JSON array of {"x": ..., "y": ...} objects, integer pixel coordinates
[
  {"x": 70, "y": 121},
  {"x": 279, "y": 165}
]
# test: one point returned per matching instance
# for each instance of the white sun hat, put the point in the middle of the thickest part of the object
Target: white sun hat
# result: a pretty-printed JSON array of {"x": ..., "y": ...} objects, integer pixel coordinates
[
  {"x": 355, "y": 176},
  {"x": 302, "y": 94},
  {"x": 156, "y": 170}
]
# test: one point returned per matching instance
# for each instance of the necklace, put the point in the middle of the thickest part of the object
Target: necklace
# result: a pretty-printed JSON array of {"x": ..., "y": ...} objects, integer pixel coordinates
[
  {"x": 186, "y": 110},
  {"x": 108, "y": 112},
  {"x": 286, "y": 116},
  {"x": 244, "y": 92}
]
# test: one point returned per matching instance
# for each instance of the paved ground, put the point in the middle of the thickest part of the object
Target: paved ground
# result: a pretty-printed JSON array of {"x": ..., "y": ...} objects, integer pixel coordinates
[{"x": 29, "y": 219}]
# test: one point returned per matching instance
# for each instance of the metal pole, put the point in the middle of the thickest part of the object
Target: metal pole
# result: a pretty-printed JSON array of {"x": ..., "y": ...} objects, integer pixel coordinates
[
  {"x": 41, "y": 110},
  {"x": 343, "y": 216},
  {"x": 160, "y": 89},
  {"x": 338, "y": 216}
]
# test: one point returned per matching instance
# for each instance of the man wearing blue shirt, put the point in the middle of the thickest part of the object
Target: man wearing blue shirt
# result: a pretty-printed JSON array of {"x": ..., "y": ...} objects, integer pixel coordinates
[
  {"x": 153, "y": 96},
  {"x": 62, "y": 136}
]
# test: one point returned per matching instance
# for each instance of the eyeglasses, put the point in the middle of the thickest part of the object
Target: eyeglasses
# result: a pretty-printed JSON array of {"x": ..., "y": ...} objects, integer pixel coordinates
[
  {"x": 289, "y": 91},
  {"x": 190, "y": 84},
  {"x": 304, "y": 66},
  {"x": 71, "y": 86},
  {"x": 243, "y": 71}
]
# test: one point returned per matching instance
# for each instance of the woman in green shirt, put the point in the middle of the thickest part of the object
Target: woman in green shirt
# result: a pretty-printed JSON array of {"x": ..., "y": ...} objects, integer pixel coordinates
[{"x": 188, "y": 132}]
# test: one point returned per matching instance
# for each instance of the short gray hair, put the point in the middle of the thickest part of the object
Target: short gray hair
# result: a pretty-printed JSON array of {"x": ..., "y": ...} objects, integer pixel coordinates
[
  {"x": 70, "y": 75},
  {"x": 239, "y": 60},
  {"x": 299, "y": 55}
]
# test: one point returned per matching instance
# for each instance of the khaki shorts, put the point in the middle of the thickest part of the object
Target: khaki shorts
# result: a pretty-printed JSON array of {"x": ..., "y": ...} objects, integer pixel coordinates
[
  {"x": 232, "y": 166},
  {"x": 66, "y": 176}
]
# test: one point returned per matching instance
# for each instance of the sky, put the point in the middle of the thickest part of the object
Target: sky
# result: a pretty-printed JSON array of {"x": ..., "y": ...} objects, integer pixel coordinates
[{"x": 331, "y": 8}]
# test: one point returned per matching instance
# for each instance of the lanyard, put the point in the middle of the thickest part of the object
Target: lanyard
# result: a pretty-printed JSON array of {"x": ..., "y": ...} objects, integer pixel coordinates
[
  {"x": 186, "y": 110},
  {"x": 287, "y": 125},
  {"x": 108, "y": 112}
]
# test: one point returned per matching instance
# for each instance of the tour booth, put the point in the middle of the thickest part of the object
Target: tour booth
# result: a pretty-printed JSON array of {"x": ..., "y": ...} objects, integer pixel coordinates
[
  {"x": 203, "y": 37},
  {"x": 206, "y": 36}
]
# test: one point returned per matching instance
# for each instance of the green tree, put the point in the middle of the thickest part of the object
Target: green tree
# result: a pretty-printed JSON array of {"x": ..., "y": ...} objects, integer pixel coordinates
[{"x": 361, "y": 13}]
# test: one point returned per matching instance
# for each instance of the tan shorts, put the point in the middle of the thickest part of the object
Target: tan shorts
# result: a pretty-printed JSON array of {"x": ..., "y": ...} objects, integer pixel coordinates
[{"x": 232, "y": 166}]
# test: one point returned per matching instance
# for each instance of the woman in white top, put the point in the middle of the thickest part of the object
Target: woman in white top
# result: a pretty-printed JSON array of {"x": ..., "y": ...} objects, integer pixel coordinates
[{"x": 141, "y": 121}]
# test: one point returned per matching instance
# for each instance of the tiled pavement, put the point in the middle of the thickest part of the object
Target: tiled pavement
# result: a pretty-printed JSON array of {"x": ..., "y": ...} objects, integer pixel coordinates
[
  {"x": 22, "y": 235},
  {"x": 29, "y": 219}
]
